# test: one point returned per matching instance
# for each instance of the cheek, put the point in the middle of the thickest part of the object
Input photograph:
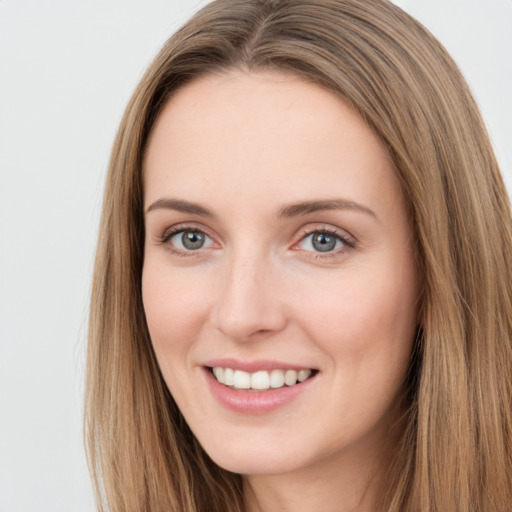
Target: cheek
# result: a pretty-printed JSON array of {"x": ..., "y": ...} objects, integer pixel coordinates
[
  {"x": 175, "y": 307},
  {"x": 365, "y": 320},
  {"x": 367, "y": 330}
]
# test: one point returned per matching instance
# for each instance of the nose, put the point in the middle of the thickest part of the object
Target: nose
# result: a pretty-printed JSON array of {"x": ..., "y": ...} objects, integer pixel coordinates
[{"x": 248, "y": 304}]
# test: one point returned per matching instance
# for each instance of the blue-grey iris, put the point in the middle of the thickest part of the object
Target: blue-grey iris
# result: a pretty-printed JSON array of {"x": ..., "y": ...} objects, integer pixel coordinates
[
  {"x": 323, "y": 242},
  {"x": 192, "y": 240}
]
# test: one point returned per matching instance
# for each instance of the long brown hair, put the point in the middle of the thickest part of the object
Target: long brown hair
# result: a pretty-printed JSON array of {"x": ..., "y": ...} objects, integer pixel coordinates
[{"x": 455, "y": 451}]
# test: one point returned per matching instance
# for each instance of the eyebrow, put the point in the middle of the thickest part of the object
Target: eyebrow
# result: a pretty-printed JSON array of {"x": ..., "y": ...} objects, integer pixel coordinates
[
  {"x": 168, "y": 203},
  {"x": 306, "y": 207},
  {"x": 287, "y": 211}
]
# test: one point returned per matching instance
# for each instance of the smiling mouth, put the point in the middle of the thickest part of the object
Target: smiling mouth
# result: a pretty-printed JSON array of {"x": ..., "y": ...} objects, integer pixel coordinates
[{"x": 261, "y": 380}]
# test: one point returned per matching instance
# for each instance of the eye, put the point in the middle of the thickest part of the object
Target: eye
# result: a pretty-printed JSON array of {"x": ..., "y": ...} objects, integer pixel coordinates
[
  {"x": 187, "y": 240},
  {"x": 324, "y": 241}
]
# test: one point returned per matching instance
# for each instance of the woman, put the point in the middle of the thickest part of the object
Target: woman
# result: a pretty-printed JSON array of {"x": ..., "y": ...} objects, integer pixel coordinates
[{"x": 302, "y": 295}]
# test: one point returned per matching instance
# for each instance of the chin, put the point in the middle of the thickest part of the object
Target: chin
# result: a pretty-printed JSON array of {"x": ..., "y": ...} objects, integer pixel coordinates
[{"x": 255, "y": 461}]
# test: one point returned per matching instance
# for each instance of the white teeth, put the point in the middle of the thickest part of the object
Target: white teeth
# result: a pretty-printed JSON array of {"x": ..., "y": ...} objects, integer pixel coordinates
[
  {"x": 290, "y": 377},
  {"x": 277, "y": 379},
  {"x": 260, "y": 380},
  {"x": 229, "y": 376},
  {"x": 303, "y": 375},
  {"x": 242, "y": 380},
  {"x": 219, "y": 374}
]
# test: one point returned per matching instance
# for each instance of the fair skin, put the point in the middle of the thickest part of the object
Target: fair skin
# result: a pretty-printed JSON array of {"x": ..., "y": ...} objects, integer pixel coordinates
[{"x": 235, "y": 276}]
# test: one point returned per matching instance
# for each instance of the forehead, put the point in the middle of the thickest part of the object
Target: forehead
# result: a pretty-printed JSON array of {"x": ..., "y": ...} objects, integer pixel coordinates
[{"x": 264, "y": 132}]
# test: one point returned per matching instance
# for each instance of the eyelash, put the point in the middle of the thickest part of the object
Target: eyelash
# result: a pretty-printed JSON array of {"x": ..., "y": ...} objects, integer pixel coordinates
[
  {"x": 348, "y": 242},
  {"x": 175, "y": 230}
]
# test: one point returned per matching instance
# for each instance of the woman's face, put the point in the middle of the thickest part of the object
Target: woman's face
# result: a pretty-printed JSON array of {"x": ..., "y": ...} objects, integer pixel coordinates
[{"x": 279, "y": 256}]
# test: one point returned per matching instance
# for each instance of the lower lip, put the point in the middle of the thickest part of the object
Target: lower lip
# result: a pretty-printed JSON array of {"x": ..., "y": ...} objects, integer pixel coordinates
[{"x": 255, "y": 402}]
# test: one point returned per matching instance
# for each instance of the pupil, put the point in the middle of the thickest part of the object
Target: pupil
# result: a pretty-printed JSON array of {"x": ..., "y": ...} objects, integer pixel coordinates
[
  {"x": 192, "y": 240},
  {"x": 323, "y": 242}
]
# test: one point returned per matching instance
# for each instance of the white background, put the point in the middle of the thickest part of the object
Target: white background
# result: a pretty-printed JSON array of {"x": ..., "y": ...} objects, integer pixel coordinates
[{"x": 67, "y": 69}]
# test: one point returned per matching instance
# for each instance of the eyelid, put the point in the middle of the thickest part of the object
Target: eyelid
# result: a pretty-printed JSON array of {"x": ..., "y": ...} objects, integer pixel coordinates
[
  {"x": 321, "y": 227},
  {"x": 348, "y": 240},
  {"x": 170, "y": 232}
]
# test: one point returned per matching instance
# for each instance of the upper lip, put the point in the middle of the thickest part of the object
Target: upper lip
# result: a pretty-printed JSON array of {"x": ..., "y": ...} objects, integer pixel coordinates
[{"x": 254, "y": 365}]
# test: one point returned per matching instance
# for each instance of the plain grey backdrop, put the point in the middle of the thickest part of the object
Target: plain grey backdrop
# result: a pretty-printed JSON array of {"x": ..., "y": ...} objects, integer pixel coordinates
[{"x": 67, "y": 69}]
